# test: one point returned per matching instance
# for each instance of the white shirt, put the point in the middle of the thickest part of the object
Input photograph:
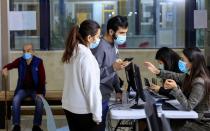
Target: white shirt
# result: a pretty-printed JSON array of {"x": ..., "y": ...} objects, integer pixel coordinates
[{"x": 81, "y": 94}]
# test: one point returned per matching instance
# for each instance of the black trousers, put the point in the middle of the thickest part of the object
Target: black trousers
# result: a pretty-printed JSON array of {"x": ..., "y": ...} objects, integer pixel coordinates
[{"x": 81, "y": 122}]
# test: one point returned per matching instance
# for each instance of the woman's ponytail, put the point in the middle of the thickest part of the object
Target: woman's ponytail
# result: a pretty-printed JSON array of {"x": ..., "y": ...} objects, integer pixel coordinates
[{"x": 71, "y": 43}]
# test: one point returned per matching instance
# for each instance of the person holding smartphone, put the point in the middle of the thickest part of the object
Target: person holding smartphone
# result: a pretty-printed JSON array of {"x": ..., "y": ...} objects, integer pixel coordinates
[{"x": 106, "y": 54}]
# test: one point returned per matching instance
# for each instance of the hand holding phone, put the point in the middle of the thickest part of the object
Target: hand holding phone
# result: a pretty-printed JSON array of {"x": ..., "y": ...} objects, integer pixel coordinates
[
  {"x": 146, "y": 82},
  {"x": 170, "y": 84},
  {"x": 154, "y": 81},
  {"x": 128, "y": 59}
]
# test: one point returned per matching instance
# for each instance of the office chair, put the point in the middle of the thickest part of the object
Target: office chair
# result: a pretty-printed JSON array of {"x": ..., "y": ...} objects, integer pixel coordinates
[
  {"x": 51, "y": 126},
  {"x": 153, "y": 121},
  {"x": 165, "y": 124}
]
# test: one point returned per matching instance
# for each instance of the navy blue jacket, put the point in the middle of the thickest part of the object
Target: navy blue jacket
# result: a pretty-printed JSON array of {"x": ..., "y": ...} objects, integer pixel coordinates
[{"x": 38, "y": 73}]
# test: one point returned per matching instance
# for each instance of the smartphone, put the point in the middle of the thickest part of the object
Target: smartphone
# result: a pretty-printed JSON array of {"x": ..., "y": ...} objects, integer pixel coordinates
[
  {"x": 154, "y": 81},
  {"x": 146, "y": 82},
  {"x": 128, "y": 59}
]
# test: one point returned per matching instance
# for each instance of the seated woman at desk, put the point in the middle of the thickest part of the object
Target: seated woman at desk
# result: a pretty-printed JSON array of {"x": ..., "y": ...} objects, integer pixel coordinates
[
  {"x": 167, "y": 60},
  {"x": 194, "y": 92}
]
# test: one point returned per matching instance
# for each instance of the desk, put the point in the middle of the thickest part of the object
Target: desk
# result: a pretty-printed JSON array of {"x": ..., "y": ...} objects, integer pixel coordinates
[
  {"x": 120, "y": 111},
  {"x": 140, "y": 114},
  {"x": 123, "y": 112}
]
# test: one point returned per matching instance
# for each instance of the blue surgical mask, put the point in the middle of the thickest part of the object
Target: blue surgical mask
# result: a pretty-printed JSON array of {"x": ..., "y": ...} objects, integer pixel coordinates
[
  {"x": 94, "y": 44},
  {"x": 27, "y": 56},
  {"x": 120, "y": 39},
  {"x": 183, "y": 67},
  {"x": 161, "y": 66}
]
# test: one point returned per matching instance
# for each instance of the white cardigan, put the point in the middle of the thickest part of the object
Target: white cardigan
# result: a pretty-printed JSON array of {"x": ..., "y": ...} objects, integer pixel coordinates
[{"x": 81, "y": 94}]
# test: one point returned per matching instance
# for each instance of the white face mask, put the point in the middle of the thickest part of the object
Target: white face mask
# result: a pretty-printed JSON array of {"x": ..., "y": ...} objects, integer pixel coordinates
[{"x": 94, "y": 44}]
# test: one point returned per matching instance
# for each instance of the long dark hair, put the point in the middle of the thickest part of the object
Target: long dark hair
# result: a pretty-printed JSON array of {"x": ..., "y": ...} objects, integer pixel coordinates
[
  {"x": 198, "y": 69},
  {"x": 170, "y": 59},
  {"x": 78, "y": 35}
]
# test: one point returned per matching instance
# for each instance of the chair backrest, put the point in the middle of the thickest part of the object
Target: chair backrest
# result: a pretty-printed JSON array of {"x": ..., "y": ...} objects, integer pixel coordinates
[
  {"x": 50, "y": 119},
  {"x": 165, "y": 124},
  {"x": 153, "y": 121}
]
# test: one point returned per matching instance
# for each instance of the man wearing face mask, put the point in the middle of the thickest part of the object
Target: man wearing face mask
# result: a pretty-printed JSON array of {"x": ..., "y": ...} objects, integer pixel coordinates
[
  {"x": 31, "y": 83},
  {"x": 106, "y": 53}
]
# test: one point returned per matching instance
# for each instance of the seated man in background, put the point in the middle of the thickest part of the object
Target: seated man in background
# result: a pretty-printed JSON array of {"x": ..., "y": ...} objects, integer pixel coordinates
[{"x": 31, "y": 82}]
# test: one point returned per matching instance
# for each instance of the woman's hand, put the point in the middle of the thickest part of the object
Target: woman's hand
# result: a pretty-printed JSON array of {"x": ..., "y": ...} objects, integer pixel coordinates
[
  {"x": 155, "y": 88},
  {"x": 170, "y": 84},
  {"x": 151, "y": 68}
]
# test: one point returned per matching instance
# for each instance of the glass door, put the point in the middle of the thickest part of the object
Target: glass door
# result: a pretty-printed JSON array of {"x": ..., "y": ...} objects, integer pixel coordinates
[{"x": 166, "y": 23}]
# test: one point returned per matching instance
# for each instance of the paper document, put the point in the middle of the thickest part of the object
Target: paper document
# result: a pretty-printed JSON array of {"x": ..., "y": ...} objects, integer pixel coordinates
[
  {"x": 22, "y": 20},
  {"x": 200, "y": 19}
]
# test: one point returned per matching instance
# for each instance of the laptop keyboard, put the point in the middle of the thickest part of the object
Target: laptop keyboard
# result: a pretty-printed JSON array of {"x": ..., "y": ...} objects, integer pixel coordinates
[
  {"x": 136, "y": 106},
  {"x": 156, "y": 95},
  {"x": 167, "y": 106}
]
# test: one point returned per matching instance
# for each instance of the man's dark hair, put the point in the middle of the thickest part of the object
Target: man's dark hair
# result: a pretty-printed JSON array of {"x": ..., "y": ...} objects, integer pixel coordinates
[{"x": 118, "y": 21}]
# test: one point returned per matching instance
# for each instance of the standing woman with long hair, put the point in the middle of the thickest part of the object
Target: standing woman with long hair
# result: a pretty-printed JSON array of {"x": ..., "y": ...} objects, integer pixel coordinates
[
  {"x": 194, "y": 93},
  {"x": 82, "y": 100}
]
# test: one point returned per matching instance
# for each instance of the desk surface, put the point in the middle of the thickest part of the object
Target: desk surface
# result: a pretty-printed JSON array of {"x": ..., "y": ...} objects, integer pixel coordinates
[
  {"x": 140, "y": 114},
  {"x": 124, "y": 112}
]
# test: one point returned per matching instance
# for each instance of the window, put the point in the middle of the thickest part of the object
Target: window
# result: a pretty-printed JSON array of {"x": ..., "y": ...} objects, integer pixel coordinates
[
  {"x": 145, "y": 29},
  {"x": 152, "y": 23},
  {"x": 170, "y": 30},
  {"x": 200, "y": 32},
  {"x": 66, "y": 13},
  {"x": 27, "y": 12}
]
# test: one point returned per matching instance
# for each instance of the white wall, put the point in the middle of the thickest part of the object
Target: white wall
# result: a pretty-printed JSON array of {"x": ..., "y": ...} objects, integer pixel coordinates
[{"x": 54, "y": 67}]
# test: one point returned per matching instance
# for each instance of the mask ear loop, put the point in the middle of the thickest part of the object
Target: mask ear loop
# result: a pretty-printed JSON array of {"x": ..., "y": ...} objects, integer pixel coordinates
[{"x": 113, "y": 34}]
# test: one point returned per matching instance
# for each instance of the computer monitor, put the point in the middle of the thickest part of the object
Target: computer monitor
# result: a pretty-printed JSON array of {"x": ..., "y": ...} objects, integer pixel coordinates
[
  {"x": 153, "y": 120},
  {"x": 134, "y": 82},
  {"x": 129, "y": 72},
  {"x": 138, "y": 83}
]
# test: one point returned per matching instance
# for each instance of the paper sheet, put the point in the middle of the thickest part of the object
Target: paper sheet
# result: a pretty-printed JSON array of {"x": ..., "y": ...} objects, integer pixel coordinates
[{"x": 22, "y": 20}]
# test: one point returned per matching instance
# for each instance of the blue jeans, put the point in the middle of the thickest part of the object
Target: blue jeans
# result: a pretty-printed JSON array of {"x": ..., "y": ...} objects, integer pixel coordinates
[
  {"x": 105, "y": 109},
  {"x": 18, "y": 98}
]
